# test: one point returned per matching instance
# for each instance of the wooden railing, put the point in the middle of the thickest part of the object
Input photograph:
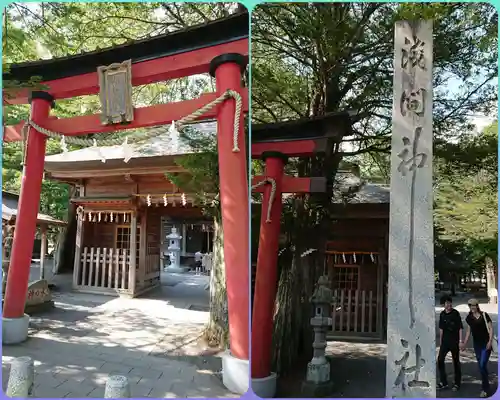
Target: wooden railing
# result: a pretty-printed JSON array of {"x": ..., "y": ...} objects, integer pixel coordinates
[
  {"x": 104, "y": 268},
  {"x": 354, "y": 312}
]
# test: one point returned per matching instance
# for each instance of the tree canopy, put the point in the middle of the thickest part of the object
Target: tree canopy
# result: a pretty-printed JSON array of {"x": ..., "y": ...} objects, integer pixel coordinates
[
  {"x": 313, "y": 58},
  {"x": 466, "y": 200}
]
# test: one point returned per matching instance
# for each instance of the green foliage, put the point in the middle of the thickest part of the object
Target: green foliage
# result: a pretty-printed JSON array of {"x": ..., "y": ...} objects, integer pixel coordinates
[
  {"x": 313, "y": 58},
  {"x": 466, "y": 203},
  {"x": 202, "y": 166}
]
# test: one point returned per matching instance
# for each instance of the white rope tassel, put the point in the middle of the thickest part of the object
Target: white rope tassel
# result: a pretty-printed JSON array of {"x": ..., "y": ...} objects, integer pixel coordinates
[
  {"x": 272, "y": 182},
  {"x": 165, "y": 200},
  {"x": 127, "y": 151},
  {"x": 174, "y": 137},
  {"x": 343, "y": 258},
  {"x": 354, "y": 257},
  {"x": 64, "y": 146},
  {"x": 372, "y": 257},
  {"x": 148, "y": 200},
  {"x": 183, "y": 199},
  {"x": 99, "y": 150}
]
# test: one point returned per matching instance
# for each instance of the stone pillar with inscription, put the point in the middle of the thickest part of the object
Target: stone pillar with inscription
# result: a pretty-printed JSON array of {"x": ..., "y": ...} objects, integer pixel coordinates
[{"x": 411, "y": 346}]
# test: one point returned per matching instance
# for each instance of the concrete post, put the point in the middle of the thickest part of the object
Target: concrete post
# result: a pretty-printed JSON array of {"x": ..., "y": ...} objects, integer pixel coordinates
[
  {"x": 117, "y": 387},
  {"x": 21, "y": 378}
]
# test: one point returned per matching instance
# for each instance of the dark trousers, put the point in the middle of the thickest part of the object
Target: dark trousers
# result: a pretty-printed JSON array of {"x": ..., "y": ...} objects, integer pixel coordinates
[
  {"x": 483, "y": 356},
  {"x": 455, "y": 354}
]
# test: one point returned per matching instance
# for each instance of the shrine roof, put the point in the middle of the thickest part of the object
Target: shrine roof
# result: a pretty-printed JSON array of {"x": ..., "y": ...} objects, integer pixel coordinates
[
  {"x": 164, "y": 147},
  {"x": 327, "y": 125},
  {"x": 224, "y": 30},
  {"x": 9, "y": 210}
]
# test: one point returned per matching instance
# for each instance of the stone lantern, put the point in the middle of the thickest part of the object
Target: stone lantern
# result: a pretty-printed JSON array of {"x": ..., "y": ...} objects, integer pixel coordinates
[
  {"x": 318, "y": 383},
  {"x": 174, "y": 248}
]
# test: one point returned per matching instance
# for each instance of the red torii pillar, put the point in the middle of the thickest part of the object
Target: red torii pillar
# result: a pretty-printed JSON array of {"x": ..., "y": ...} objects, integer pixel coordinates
[
  {"x": 233, "y": 182},
  {"x": 263, "y": 380},
  {"x": 15, "y": 322}
]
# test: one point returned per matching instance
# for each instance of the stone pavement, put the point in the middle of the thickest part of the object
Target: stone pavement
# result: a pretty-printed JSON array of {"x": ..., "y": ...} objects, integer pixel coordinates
[
  {"x": 358, "y": 369},
  {"x": 154, "y": 341}
]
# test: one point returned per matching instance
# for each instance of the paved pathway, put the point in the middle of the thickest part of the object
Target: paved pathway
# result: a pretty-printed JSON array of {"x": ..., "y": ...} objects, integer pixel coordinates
[
  {"x": 358, "y": 369},
  {"x": 152, "y": 340}
]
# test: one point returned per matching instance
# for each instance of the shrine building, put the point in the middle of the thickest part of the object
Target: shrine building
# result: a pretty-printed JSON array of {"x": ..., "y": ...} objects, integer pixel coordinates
[{"x": 118, "y": 201}]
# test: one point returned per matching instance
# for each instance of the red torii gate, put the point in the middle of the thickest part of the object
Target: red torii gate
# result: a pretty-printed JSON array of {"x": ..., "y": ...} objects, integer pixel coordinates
[
  {"x": 304, "y": 138},
  {"x": 219, "y": 47}
]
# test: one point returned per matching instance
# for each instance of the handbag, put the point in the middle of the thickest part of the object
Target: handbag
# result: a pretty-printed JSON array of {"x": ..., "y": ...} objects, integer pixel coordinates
[{"x": 494, "y": 342}]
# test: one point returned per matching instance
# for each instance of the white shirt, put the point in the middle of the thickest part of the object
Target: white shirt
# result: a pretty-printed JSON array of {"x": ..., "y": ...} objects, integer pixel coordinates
[{"x": 198, "y": 256}]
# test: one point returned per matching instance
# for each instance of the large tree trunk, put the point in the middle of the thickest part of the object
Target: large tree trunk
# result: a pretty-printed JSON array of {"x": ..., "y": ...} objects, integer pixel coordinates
[
  {"x": 66, "y": 248},
  {"x": 217, "y": 330}
]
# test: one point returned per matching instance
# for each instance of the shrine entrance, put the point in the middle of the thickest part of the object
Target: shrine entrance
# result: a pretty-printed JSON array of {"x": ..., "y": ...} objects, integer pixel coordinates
[{"x": 219, "y": 48}]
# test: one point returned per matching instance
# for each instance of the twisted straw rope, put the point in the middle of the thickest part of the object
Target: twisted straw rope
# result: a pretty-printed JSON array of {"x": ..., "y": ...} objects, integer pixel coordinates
[
  {"x": 272, "y": 182},
  {"x": 114, "y": 139}
]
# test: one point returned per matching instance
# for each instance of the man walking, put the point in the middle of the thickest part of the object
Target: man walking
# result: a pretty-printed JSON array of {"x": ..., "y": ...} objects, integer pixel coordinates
[{"x": 450, "y": 340}]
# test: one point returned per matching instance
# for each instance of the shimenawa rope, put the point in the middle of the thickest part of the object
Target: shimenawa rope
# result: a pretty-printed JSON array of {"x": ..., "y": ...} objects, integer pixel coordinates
[
  {"x": 115, "y": 139},
  {"x": 272, "y": 182}
]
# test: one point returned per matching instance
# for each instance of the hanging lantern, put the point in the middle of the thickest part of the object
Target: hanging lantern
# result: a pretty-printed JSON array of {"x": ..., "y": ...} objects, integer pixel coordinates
[
  {"x": 148, "y": 200},
  {"x": 165, "y": 200},
  {"x": 183, "y": 199}
]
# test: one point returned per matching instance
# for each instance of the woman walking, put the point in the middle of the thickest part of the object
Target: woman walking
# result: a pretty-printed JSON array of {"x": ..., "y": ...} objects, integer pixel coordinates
[{"x": 480, "y": 326}]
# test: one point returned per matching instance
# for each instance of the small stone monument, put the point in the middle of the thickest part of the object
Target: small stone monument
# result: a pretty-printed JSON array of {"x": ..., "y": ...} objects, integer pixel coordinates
[
  {"x": 318, "y": 383},
  {"x": 38, "y": 298},
  {"x": 174, "y": 248}
]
